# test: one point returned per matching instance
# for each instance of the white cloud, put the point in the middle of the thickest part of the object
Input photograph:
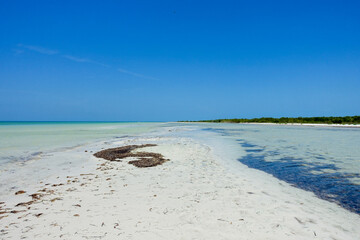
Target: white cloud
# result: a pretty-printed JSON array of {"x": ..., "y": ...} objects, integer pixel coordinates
[
  {"x": 135, "y": 74},
  {"x": 76, "y": 59},
  {"x": 47, "y": 51},
  {"x": 84, "y": 60},
  {"x": 39, "y": 49}
]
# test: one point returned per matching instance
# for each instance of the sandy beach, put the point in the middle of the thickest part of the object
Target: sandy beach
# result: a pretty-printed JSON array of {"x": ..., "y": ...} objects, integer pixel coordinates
[{"x": 198, "y": 194}]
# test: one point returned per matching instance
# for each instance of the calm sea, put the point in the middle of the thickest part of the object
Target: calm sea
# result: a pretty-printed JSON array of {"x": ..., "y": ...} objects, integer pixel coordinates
[
  {"x": 324, "y": 160},
  {"x": 21, "y": 141}
]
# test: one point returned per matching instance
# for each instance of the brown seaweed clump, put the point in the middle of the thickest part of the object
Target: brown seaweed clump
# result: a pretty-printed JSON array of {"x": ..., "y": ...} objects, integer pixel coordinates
[{"x": 145, "y": 159}]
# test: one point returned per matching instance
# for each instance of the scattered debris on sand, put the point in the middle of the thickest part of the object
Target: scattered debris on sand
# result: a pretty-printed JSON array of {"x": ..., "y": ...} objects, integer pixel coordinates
[
  {"x": 138, "y": 159},
  {"x": 24, "y": 203},
  {"x": 55, "y": 199},
  {"x": 36, "y": 196},
  {"x": 145, "y": 159}
]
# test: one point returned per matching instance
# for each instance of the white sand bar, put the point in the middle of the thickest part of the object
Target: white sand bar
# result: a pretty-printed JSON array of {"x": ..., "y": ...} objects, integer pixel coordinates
[{"x": 195, "y": 195}]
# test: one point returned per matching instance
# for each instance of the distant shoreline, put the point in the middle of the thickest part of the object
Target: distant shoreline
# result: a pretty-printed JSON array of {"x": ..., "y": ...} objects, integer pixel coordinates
[
  {"x": 346, "y": 121},
  {"x": 311, "y": 124},
  {"x": 287, "y": 124}
]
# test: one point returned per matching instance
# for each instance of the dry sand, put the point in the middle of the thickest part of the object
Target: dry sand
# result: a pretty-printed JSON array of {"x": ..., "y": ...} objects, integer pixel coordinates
[{"x": 192, "y": 196}]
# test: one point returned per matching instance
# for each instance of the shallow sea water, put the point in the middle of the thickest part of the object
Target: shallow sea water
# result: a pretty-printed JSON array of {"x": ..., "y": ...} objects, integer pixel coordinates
[
  {"x": 22, "y": 141},
  {"x": 324, "y": 160}
]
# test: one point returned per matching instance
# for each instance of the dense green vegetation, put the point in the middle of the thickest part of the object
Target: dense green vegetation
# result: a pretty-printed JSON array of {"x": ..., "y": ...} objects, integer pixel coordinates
[{"x": 283, "y": 120}]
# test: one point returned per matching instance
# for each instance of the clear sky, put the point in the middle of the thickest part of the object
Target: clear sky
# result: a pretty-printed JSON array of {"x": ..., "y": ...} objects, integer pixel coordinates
[{"x": 178, "y": 60}]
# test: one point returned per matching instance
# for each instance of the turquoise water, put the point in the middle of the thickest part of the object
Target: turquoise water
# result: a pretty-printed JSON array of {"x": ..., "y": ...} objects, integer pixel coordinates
[
  {"x": 56, "y": 122},
  {"x": 21, "y": 141}
]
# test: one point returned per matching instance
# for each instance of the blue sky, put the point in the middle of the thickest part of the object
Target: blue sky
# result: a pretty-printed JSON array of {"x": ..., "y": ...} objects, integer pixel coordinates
[{"x": 178, "y": 60}]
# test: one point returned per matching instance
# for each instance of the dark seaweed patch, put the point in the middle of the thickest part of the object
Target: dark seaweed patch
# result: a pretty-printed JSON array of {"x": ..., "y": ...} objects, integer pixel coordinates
[
  {"x": 322, "y": 179},
  {"x": 225, "y": 132},
  {"x": 253, "y": 150},
  {"x": 245, "y": 144},
  {"x": 332, "y": 186},
  {"x": 145, "y": 159}
]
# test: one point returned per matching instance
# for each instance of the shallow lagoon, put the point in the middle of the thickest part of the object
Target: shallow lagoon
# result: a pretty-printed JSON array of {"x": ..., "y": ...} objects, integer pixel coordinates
[
  {"x": 324, "y": 160},
  {"x": 22, "y": 141}
]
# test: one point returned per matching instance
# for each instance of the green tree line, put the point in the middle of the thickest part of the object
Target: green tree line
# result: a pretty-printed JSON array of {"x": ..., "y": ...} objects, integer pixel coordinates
[{"x": 319, "y": 120}]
